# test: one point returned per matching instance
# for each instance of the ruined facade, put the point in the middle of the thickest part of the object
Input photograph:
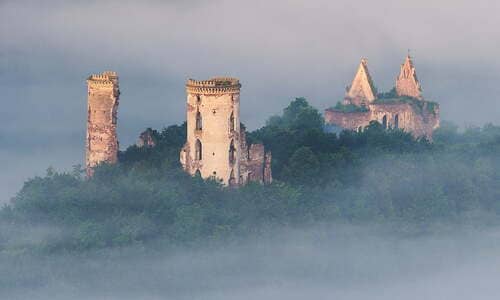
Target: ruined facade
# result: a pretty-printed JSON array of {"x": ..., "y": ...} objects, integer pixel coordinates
[
  {"x": 147, "y": 138},
  {"x": 405, "y": 108},
  {"x": 102, "y": 141},
  {"x": 216, "y": 142}
]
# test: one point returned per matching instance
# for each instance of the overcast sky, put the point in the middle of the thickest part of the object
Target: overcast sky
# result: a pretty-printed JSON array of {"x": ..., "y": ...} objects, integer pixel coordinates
[{"x": 279, "y": 49}]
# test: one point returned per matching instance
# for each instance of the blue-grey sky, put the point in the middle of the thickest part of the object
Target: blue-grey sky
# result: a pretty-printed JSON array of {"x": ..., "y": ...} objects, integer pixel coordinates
[{"x": 279, "y": 49}]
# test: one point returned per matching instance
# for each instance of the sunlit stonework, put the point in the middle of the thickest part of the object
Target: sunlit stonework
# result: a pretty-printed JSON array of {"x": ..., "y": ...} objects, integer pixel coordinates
[
  {"x": 102, "y": 142},
  {"x": 216, "y": 142},
  {"x": 403, "y": 108},
  {"x": 407, "y": 83}
]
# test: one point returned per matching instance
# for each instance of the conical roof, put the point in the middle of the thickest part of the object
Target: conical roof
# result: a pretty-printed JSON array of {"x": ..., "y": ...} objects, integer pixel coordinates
[{"x": 362, "y": 90}]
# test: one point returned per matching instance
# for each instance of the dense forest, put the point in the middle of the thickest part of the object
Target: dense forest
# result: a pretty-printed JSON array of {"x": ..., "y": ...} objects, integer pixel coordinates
[{"x": 377, "y": 175}]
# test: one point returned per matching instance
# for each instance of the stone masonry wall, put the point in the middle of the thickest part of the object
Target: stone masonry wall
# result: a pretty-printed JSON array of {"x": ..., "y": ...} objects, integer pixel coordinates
[
  {"x": 216, "y": 144},
  {"x": 103, "y": 98},
  {"x": 255, "y": 165},
  {"x": 419, "y": 121}
]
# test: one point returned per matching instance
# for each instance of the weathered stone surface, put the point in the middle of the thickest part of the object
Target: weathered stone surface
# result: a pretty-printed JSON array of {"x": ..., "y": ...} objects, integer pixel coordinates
[
  {"x": 268, "y": 175},
  {"x": 409, "y": 111},
  {"x": 407, "y": 83},
  {"x": 102, "y": 141},
  {"x": 216, "y": 143},
  {"x": 147, "y": 139},
  {"x": 255, "y": 163},
  {"x": 420, "y": 121},
  {"x": 361, "y": 92}
]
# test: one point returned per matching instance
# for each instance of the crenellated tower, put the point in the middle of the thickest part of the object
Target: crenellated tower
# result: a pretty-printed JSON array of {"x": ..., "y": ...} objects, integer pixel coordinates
[
  {"x": 213, "y": 129},
  {"x": 102, "y": 141},
  {"x": 407, "y": 83},
  {"x": 216, "y": 145}
]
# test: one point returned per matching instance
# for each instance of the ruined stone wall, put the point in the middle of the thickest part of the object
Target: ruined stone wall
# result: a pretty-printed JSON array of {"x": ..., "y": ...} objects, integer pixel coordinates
[
  {"x": 418, "y": 120},
  {"x": 103, "y": 98},
  {"x": 147, "y": 139},
  {"x": 351, "y": 121},
  {"x": 268, "y": 174},
  {"x": 255, "y": 165},
  {"x": 213, "y": 125},
  {"x": 409, "y": 111}
]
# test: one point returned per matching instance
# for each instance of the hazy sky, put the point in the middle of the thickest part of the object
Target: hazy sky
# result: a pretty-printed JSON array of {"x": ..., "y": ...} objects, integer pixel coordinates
[{"x": 279, "y": 50}]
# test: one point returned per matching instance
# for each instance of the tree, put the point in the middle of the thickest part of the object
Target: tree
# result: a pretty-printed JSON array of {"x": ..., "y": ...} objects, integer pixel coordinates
[{"x": 303, "y": 167}]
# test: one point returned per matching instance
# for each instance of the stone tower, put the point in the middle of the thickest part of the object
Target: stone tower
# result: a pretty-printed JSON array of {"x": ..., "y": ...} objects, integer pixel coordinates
[
  {"x": 213, "y": 129},
  {"x": 102, "y": 142},
  {"x": 362, "y": 91},
  {"x": 216, "y": 144},
  {"x": 407, "y": 83}
]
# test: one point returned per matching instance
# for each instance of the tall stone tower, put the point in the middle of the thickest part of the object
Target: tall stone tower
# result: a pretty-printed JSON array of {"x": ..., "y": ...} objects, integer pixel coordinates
[
  {"x": 361, "y": 92},
  {"x": 102, "y": 141},
  {"x": 407, "y": 83},
  {"x": 213, "y": 146}
]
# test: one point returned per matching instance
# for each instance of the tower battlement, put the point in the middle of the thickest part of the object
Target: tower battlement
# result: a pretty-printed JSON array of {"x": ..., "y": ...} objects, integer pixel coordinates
[
  {"x": 216, "y": 85},
  {"x": 107, "y": 78},
  {"x": 216, "y": 143},
  {"x": 103, "y": 98}
]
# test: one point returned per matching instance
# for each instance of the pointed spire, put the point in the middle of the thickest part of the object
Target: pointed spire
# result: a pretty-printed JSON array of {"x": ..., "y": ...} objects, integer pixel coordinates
[
  {"x": 407, "y": 83},
  {"x": 361, "y": 91}
]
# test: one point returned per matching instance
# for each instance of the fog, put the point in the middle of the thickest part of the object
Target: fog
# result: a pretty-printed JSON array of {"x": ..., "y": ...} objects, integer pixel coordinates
[
  {"x": 279, "y": 49},
  {"x": 322, "y": 262}
]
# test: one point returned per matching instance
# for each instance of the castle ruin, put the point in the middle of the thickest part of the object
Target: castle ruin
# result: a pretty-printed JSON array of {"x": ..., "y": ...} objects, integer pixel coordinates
[
  {"x": 402, "y": 108},
  {"x": 102, "y": 141},
  {"x": 216, "y": 145}
]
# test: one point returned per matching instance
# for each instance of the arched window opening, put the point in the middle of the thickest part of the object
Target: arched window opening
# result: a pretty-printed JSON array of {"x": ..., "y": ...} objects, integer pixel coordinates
[
  {"x": 232, "y": 156},
  {"x": 198, "y": 150},
  {"x": 198, "y": 99},
  {"x": 199, "y": 122},
  {"x": 231, "y": 122},
  {"x": 396, "y": 121},
  {"x": 232, "y": 180},
  {"x": 384, "y": 122}
]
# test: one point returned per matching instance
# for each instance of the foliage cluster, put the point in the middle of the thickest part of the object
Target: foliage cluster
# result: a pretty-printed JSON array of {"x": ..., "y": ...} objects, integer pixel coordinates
[
  {"x": 376, "y": 175},
  {"x": 348, "y": 108},
  {"x": 417, "y": 104}
]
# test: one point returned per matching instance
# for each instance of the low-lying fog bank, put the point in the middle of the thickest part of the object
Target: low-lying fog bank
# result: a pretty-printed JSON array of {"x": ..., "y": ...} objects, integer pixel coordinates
[{"x": 327, "y": 262}]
